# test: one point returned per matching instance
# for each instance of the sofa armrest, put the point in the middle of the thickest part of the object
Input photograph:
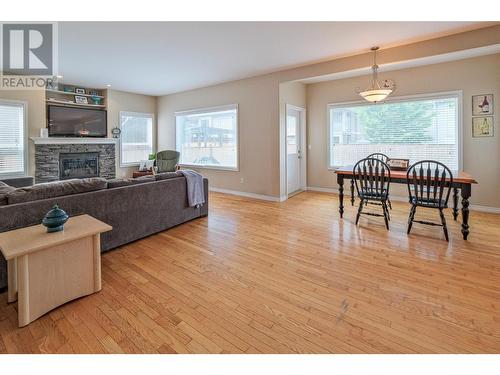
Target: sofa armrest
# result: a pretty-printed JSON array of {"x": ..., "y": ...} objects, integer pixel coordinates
[{"x": 19, "y": 181}]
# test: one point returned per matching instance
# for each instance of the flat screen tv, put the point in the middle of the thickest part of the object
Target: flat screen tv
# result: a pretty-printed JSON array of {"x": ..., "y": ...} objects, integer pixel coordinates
[{"x": 76, "y": 122}]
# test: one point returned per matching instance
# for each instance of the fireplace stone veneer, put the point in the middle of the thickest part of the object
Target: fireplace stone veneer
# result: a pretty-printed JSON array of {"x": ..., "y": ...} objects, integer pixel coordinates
[{"x": 47, "y": 159}]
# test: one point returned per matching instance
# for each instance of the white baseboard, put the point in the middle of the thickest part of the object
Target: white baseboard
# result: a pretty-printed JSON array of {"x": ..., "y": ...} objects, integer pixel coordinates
[
  {"x": 322, "y": 189},
  {"x": 493, "y": 210},
  {"x": 248, "y": 195},
  {"x": 398, "y": 198}
]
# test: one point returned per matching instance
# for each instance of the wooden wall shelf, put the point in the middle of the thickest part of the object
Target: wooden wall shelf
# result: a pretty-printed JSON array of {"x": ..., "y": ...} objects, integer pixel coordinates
[
  {"x": 64, "y": 95},
  {"x": 64, "y": 103},
  {"x": 73, "y": 93}
]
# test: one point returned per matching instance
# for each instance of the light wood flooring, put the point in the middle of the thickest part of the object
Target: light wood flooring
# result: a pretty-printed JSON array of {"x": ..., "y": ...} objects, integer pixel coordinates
[{"x": 265, "y": 277}]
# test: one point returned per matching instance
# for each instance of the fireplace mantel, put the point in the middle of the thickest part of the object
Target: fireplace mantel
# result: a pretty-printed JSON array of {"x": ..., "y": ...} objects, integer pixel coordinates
[{"x": 72, "y": 141}]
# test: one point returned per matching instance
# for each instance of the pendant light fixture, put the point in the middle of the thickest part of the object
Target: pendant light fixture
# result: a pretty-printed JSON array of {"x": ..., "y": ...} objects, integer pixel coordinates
[{"x": 377, "y": 91}]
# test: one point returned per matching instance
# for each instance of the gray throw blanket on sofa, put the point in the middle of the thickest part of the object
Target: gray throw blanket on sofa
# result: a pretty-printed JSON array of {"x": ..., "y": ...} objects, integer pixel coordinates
[{"x": 196, "y": 195}]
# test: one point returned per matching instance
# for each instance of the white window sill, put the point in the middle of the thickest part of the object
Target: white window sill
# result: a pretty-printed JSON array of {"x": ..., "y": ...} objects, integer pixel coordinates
[
  {"x": 19, "y": 175},
  {"x": 129, "y": 165},
  {"x": 229, "y": 169}
]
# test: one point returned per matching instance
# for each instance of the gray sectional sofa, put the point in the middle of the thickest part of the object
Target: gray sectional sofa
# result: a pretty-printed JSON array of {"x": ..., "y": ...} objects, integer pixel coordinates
[{"x": 135, "y": 208}]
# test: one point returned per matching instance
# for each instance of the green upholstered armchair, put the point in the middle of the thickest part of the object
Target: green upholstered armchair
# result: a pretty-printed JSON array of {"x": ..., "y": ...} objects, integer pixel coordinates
[{"x": 167, "y": 161}]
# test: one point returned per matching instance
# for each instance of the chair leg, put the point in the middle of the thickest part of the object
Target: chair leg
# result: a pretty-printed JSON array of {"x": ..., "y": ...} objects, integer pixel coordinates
[
  {"x": 387, "y": 204},
  {"x": 386, "y": 214},
  {"x": 387, "y": 210},
  {"x": 411, "y": 217},
  {"x": 443, "y": 222},
  {"x": 390, "y": 205},
  {"x": 360, "y": 208}
]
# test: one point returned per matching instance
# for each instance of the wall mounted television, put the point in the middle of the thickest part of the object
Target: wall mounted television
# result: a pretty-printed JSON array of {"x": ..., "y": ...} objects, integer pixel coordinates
[{"x": 76, "y": 122}]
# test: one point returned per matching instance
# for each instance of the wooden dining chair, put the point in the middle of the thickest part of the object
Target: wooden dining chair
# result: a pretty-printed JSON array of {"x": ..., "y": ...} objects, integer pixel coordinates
[
  {"x": 429, "y": 185},
  {"x": 385, "y": 159},
  {"x": 372, "y": 178}
]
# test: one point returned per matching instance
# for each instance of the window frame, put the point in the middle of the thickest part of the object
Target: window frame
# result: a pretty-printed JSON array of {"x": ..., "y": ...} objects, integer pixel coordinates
[
  {"x": 205, "y": 110},
  {"x": 136, "y": 114},
  {"x": 432, "y": 95},
  {"x": 23, "y": 173}
]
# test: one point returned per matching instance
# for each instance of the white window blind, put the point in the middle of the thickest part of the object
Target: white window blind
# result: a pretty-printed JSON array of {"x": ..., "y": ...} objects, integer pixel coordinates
[
  {"x": 136, "y": 137},
  {"x": 208, "y": 137},
  {"x": 12, "y": 139},
  {"x": 416, "y": 129}
]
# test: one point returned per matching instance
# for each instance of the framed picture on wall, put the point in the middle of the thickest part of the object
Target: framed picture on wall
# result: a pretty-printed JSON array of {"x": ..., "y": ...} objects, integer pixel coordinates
[
  {"x": 81, "y": 99},
  {"x": 482, "y": 105},
  {"x": 482, "y": 126}
]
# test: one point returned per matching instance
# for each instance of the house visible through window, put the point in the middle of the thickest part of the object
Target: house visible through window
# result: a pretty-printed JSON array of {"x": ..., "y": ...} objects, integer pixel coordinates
[
  {"x": 12, "y": 139},
  {"x": 136, "y": 137},
  {"x": 416, "y": 128},
  {"x": 208, "y": 138}
]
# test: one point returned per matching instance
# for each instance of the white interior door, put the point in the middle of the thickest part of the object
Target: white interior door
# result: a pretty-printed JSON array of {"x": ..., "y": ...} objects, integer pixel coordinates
[{"x": 293, "y": 150}]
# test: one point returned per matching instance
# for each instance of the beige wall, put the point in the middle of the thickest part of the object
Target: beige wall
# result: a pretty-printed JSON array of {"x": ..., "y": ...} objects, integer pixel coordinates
[
  {"x": 258, "y": 99},
  {"x": 119, "y": 101},
  {"x": 481, "y": 156}
]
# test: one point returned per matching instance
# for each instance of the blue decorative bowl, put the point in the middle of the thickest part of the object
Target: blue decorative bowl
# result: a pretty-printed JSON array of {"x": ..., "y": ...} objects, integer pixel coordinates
[{"x": 54, "y": 219}]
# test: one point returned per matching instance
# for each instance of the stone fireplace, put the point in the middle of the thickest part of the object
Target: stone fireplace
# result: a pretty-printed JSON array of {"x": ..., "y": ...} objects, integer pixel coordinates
[{"x": 65, "y": 158}]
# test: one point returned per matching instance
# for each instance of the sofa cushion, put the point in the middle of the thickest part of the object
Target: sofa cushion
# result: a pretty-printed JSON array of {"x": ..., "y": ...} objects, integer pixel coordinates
[
  {"x": 56, "y": 189},
  {"x": 167, "y": 175},
  {"x": 119, "y": 182},
  {"x": 4, "y": 190}
]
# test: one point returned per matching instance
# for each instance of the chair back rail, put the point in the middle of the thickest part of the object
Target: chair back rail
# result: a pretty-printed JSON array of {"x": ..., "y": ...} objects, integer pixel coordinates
[
  {"x": 379, "y": 156},
  {"x": 431, "y": 182}
]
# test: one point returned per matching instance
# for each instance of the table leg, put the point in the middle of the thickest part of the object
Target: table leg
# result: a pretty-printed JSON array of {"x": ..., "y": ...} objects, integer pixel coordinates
[
  {"x": 23, "y": 304},
  {"x": 340, "y": 180},
  {"x": 455, "y": 204},
  {"x": 465, "y": 192},
  {"x": 97, "y": 262},
  {"x": 352, "y": 191},
  {"x": 12, "y": 280}
]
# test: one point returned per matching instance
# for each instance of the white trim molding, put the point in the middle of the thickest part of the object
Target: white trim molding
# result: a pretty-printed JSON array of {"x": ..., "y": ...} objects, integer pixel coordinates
[
  {"x": 208, "y": 110},
  {"x": 399, "y": 198},
  {"x": 493, "y": 210},
  {"x": 145, "y": 115},
  {"x": 347, "y": 197},
  {"x": 322, "y": 189},
  {"x": 71, "y": 140},
  {"x": 458, "y": 94},
  {"x": 247, "y": 195},
  {"x": 26, "y": 161},
  {"x": 302, "y": 148}
]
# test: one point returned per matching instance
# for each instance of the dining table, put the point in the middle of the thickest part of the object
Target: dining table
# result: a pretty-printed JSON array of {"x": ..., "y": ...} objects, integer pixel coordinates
[{"x": 462, "y": 182}]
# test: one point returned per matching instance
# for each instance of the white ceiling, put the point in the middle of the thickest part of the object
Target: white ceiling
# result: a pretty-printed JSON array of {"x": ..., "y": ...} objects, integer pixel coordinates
[{"x": 158, "y": 58}]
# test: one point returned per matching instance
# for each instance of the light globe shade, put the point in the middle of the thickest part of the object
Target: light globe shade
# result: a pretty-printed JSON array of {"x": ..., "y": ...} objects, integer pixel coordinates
[{"x": 375, "y": 95}]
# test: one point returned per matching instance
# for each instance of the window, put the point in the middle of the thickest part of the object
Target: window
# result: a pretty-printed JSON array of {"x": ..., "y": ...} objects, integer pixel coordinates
[
  {"x": 136, "y": 137},
  {"x": 414, "y": 128},
  {"x": 208, "y": 137},
  {"x": 12, "y": 138}
]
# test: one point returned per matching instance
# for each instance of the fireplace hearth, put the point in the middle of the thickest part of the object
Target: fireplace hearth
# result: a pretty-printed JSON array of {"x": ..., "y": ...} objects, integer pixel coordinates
[{"x": 78, "y": 165}]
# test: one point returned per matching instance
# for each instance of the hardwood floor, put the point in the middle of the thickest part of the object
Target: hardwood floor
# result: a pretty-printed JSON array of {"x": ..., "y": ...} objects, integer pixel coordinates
[{"x": 265, "y": 277}]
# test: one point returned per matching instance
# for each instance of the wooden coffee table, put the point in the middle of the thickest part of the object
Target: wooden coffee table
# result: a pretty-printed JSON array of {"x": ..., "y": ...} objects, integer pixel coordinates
[{"x": 46, "y": 270}]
